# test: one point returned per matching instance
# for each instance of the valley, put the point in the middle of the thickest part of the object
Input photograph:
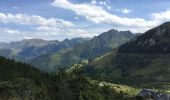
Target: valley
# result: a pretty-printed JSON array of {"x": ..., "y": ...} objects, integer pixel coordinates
[{"x": 113, "y": 65}]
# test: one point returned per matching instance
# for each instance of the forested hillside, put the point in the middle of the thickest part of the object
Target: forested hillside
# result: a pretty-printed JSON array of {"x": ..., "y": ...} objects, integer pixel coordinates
[{"x": 20, "y": 81}]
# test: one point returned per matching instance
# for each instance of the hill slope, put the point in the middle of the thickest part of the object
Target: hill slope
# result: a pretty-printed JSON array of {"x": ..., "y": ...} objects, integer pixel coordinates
[
  {"x": 137, "y": 62},
  {"x": 88, "y": 50},
  {"x": 20, "y": 81},
  {"x": 156, "y": 40}
]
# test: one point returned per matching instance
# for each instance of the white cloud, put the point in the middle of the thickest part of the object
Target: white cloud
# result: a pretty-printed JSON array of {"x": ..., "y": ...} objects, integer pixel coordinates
[
  {"x": 15, "y": 7},
  {"x": 51, "y": 28},
  {"x": 126, "y": 11},
  {"x": 45, "y": 28},
  {"x": 66, "y": 33},
  {"x": 109, "y": 8},
  {"x": 103, "y": 3},
  {"x": 93, "y": 2},
  {"x": 8, "y": 35},
  {"x": 8, "y": 31},
  {"x": 33, "y": 20},
  {"x": 77, "y": 18},
  {"x": 97, "y": 14},
  {"x": 165, "y": 16}
]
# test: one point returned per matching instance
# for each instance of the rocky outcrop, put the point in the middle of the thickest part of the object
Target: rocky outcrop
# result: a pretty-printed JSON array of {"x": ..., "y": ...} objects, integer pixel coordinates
[{"x": 152, "y": 94}]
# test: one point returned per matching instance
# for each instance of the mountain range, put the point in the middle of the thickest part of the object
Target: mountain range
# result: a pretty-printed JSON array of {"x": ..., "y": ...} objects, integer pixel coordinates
[
  {"x": 28, "y": 49},
  {"x": 120, "y": 57},
  {"x": 142, "y": 61},
  {"x": 50, "y": 55},
  {"x": 84, "y": 51}
]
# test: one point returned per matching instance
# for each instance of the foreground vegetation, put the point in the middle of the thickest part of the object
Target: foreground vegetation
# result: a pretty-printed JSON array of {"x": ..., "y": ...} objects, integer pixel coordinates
[{"x": 20, "y": 81}]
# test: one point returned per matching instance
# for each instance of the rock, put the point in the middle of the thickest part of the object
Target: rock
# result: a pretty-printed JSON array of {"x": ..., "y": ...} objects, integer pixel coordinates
[{"x": 148, "y": 93}]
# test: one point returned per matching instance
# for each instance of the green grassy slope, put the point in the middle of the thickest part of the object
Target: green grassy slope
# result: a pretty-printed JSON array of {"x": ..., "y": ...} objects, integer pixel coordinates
[{"x": 144, "y": 70}]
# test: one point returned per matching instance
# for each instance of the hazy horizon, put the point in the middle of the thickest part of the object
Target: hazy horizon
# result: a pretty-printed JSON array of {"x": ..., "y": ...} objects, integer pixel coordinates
[{"x": 64, "y": 38}]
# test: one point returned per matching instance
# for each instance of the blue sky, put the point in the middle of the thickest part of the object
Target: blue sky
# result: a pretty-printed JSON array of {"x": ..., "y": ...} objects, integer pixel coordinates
[{"x": 60, "y": 19}]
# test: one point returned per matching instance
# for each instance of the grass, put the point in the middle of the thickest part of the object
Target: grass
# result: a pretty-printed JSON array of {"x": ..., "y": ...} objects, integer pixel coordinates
[
  {"x": 130, "y": 91},
  {"x": 133, "y": 69},
  {"x": 101, "y": 61}
]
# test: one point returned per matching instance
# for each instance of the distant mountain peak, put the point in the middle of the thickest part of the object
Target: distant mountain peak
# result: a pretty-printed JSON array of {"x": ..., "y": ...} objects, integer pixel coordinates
[
  {"x": 66, "y": 39},
  {"x": 156, "y": 40},
  {"x": 33, "y": 39},
  {"x": 113, "y": 30},
  {"x": 116, "y": 33},
  {"x": 28, "y": 40},
  {"x": 166, "y": 24}
]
